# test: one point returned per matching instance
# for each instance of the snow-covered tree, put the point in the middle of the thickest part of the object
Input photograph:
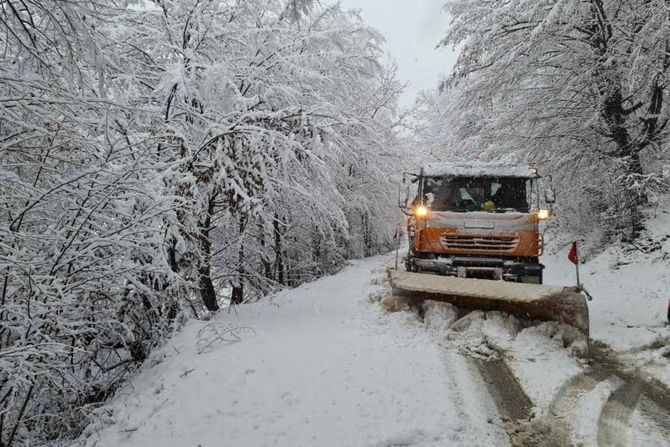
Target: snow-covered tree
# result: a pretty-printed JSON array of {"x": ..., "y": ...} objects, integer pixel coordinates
[
  {"x": 262, "y": 103},
  {"x": 86, "y": 287},
  {"x": 577, "y": 86},
  {"x": 154, "y": 154}
]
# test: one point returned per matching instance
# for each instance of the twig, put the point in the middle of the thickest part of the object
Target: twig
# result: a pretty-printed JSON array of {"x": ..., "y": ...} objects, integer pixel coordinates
[{"x": 186, "y": 373}]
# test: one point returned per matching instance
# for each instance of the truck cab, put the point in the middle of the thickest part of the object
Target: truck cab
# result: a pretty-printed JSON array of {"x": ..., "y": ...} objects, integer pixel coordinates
[{"x": 477, "y": 220}]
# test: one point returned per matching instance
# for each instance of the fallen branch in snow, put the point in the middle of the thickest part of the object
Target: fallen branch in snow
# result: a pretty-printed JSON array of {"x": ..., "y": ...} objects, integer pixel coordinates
[
  {"x": 187, "y": 372},
  {"x": 215, "y": 334}
]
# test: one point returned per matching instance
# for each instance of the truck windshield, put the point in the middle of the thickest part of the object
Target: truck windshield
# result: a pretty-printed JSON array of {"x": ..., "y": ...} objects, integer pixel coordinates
[{"x": 503, "y": 194}]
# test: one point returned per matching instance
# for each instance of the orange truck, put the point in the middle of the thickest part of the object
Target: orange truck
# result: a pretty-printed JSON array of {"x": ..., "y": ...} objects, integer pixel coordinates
[{"x": 477, "y": 220}]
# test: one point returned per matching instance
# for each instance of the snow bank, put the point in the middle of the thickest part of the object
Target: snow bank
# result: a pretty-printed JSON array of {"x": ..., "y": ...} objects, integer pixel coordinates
[
  {"x": 630, "y": 293},
  {"x": 541, "y": 362},
  {"x": 631, "y": 289},
  {"x": 537, "y": 355}
]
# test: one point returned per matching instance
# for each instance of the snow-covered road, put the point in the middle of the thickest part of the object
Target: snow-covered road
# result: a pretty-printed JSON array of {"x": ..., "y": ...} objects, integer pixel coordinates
[
  {"x": 326, "y": 365},
  {"x": 318, "y": 366}
]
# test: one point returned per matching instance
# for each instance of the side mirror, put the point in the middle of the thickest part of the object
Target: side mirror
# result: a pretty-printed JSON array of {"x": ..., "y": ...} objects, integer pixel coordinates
[{"x": 550, "y": 196}]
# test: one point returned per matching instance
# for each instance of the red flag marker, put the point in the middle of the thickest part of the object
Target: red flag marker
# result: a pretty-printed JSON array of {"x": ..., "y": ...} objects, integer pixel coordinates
[{"x": 573, "y": 256}]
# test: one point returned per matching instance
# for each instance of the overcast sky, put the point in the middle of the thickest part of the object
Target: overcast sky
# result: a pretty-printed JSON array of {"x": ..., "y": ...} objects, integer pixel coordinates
[{"x": 412, "y": 29}]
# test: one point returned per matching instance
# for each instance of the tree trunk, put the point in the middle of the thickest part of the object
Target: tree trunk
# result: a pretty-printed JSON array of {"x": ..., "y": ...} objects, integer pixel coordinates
[
  {"x": 279, "y": 258},
  {"x": 266, "y": 266},
  {"x": 207, "y": 290},
  {"x": 627, "y": 151},
  {"x": 615, "y": 116},
  {"x": 367, "y": 236},
  {"x": 237, "y": 296}
]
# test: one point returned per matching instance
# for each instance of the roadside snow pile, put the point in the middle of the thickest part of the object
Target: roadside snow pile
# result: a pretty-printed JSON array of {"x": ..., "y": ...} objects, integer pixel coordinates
[
  {"x": 541, "y": 356},
  {"x": 630, "y": 295},
  {"x": 631, "y": 288},
  {"x": 541, "y": 361},
  {"x": 653, "y": 361},
  {"x": 438, "y": 316},
  {"x": 480, "y": 334}
]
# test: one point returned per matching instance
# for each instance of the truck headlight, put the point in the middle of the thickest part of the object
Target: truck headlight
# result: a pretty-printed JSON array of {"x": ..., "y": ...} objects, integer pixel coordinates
[
  {"x": 543, "y": 214},
  {"x": 421, "y": 211}
]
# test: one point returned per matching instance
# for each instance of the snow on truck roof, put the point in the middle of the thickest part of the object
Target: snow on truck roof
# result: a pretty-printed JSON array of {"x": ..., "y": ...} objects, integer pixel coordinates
[{"x": 478, "y": 169}]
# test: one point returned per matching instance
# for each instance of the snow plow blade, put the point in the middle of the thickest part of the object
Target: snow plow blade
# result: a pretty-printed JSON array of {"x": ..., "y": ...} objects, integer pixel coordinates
[{"x": 530, "y": 301}]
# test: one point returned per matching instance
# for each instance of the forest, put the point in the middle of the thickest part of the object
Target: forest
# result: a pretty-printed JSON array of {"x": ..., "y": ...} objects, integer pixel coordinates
[
  {"x": 160, "y": 159},
  {"x": 578, "y": 88}
]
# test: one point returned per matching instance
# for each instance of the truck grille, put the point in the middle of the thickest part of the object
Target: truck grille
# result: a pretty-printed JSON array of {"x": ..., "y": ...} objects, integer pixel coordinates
[{"x": 482, "y": 243}]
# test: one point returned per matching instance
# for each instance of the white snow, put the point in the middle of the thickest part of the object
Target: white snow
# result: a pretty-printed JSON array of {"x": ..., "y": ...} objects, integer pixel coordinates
[
  {"x": 537, "y": 355},
  {"x": 541, "y": 363},
  {"x": 630, "y": 299},
  {"x": 586, "y": 426},
  {"x": 476, "y": 408},
  {"x": 316, "y": 366},
  {"x": 478, "y": 169},
  {"x": 585, "y": 430},
  {"x": 631, "y": 291},
  {"x": 499, "y": 290},
  {"x": 323, "y": 365},
  {"x": 647, "y": 432}
]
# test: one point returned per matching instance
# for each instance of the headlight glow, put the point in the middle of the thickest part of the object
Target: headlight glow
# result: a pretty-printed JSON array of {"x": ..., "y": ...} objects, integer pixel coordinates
[
  {"x": 543, "y": 214},
  {"x": 421, "y": 211}
]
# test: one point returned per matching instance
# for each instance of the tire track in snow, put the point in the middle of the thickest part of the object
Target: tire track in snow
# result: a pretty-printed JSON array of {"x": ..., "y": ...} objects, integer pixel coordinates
[
  {"x": 474, "y": 406},
  {"x": 515, "y": 407},
  {"x": 614, "y": 425},
  {"x": 651, "y": 398},
  {"x": 510, "y": 398},
  {"x": 555, "y": 429},
  {"x": 657, "y": 415},
  {"x": 507, "y": 396},
  {"x": 563, "y": 409},
  {"x": 615, "y": 421}
]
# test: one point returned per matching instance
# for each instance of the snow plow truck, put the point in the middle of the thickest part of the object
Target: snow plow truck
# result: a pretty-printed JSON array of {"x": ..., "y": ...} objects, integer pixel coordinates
[{"x": 475, "y": 241}]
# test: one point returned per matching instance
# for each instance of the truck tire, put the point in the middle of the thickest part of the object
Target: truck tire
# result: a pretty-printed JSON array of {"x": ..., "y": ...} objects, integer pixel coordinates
[{"x": 409, "y": 265}]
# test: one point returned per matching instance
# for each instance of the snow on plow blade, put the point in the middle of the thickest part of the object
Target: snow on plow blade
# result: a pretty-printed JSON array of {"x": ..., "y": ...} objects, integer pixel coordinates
[{"x": 532, "y": 301}]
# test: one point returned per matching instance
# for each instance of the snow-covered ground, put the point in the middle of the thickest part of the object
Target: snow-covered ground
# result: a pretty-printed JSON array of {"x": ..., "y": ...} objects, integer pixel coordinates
[
  {"x": 325, "y": 365},
  {"x": 630, "y": 294},
  {"x": 316, "y": 366},
  {"x": 631, "y": 289}
]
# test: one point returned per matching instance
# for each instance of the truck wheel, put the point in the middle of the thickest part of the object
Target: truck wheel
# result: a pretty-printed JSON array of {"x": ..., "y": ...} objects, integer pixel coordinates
[{"x": 408, "y": 265}]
